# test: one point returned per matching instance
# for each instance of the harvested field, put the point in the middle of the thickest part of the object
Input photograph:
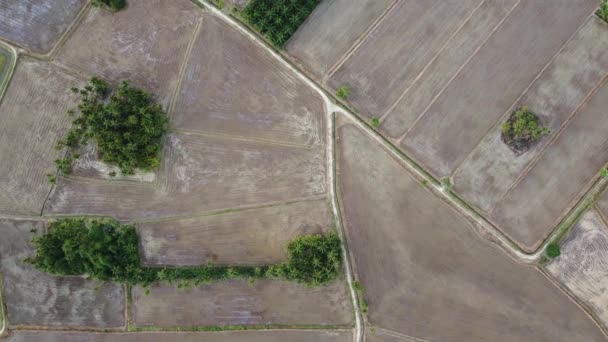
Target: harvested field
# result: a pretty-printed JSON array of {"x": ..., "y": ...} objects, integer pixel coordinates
[
  {"x": 234, "y": 87},
  {"x": 149, "y": 54},
  {"x": 393, "y": 55},
  {"x": 37, "y": 25},
  {"x": 316, "y": 44},
  {"x": 492, "y": 80},
  {"x": 200, "y": 173},
  {"x": 33, "y": 119},
  {"x": 425, "y": 271},
  {"x": 602, "y": 204},
  {"x": 377, "y": 335},
  {"x": 412, "y": 103},
  {"x": 245, "y": 237},
  {"x": 486, "y": 175},
  {"x": 220, "y": 336},
  {"x": 36, "y": 299},
  {"x": 558, "y": 179},
  {"x": 583, "y": 264},
  {"x": 236, "y": 302}
]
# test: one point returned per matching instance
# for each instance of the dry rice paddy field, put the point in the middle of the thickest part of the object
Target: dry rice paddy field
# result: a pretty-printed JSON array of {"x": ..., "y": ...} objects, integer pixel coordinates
[
  {"x": 421, "y": 264},
  {"x": 443, "y": 102},
  {"x": 583, "y": 264}
]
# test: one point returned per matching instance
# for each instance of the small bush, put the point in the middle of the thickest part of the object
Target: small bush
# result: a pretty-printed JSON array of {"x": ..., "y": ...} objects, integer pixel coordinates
[
  {"x": 522, "y": 130},
  {"x": 112, "y": 5},
  {"x": 604, "y": 173},
  {"x": 602, "y": 12},
  {"x": 343, "y": 92},
  {"x": 375, "y": 122},
  {"x": 553, "y": 250}
]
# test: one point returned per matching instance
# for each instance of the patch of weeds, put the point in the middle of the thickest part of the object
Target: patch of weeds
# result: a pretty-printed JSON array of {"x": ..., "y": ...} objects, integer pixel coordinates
[
  {"x": 112, "y": 5},
  {"x": 2, "y": 62},
  {"x": 424, "y": 183},
  {"x": 447, "y": 183},
  {"x": 112, "y": 173},
  {"x": 543, "y": 260},
  {"x": 51, "y": 178},
  {"x": 219, "y": 4},
  {"x": 342, "y": 93},
  {"x": 375, "y": 122},
  {"x": 359, "y": 290},
  {"x": 602, "y": 12},
  {"x": 553, "y": 251},
  {"x": 604, "y": 173},
  {"x": 522, "y": 130}
]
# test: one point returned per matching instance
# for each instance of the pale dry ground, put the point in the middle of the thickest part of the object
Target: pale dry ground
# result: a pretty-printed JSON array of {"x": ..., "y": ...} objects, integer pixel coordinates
[
  {"x": 602, "y": 204},
  {"x": 233, "y": 87},
  {"x": 492, "y": 81},
  {"x": 37, "y": 25},
  {"x": 253, "y": 236},
  {"x": 486, "y": 175},
  {"x": 33, "y": 119},
  {"x": 373, "y": 334},
  {"x": 463, "y": 45},
  {"x": 583, "y": 264},
  {"x": 223, "y": 336},
  {"x": 559, "y": 178},
  {"x": 331, "y": 30},
  {"x": 143, "y": 43},
  {"x": 396, "y": 51},
  {"x": 236, "y": 302},
  {"x": 426, "y": 273},
  {"x": 36, "y": 299}
]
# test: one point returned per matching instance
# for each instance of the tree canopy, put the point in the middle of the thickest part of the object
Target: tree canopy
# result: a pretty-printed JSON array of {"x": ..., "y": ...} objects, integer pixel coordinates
[{"x": 112, "y": 5}]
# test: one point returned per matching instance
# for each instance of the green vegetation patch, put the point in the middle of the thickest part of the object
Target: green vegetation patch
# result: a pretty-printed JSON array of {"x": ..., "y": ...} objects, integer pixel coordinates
[
  {"x": 602, "y": 12},
  {"x": 125, "y": 124},
  {"x": 2, "y": 63},
  {"x": 343, "y": 92},
  {"x": 103, "y": 249},
  {"x": 522, "y": 130},
  {"x": 553, "y": 250},
  {"x": 278, "y": 20},
  {"x": 112, "y": 5}
]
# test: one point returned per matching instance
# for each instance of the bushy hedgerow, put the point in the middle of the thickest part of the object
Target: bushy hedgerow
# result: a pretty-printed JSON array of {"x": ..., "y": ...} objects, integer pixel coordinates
[
  {"x": 112, "y": 5},
  {"x": 278, "y": 20},
  {"x": 105, "y": 250},
  {"x": 125, "y": 124},
  {"x": 522, "y": 130}
]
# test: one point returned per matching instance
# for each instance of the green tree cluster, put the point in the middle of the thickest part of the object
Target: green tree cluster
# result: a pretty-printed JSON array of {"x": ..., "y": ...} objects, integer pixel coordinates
[
  {"x": 602, "y": 12},
  {"x": 278, "y": 20},
  {"x": 553, "y": 250},
  {"x": 522, "y": 130},
  {"x": 112, "y": 5},
  {"x": 103, "y": 249},
  {"x": 125, "y": 124}
]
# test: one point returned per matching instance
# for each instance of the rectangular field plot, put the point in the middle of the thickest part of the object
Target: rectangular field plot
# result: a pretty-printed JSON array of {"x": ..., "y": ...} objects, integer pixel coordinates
[
  {"x": 32, "y": 118},
  {"x": 251, "y": 236},
  {"x": 236, "y": 302},
  {"x": 425, "y": 271},
  {"x": 143, "y": 43},
  {"x": 220, "y": 336},
  {"x": 36, "y": 299},
  {"x": 492, "y": 80},
  {"x": 396, "y": 51},
  {"x": 583, "y": 264},
  {"x": 316, "y": 44},
  {"x": 488, "y": 172},
  {"x": 233, "y": 87},
  {"x": 602, "y": 204},
  {"x": 37, "y": 25},
  {"x": 559, "y": 178},
  {"x": 200, "y": 173},
  {"x": 445, "y": 66}
]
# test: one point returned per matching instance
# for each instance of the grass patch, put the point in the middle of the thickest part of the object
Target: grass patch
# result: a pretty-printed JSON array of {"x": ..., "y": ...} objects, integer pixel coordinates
[
  {"x": 362, "y": 303},
  {"x": 125, "y": 124},
  {"x": 374, "y": 122},
  {"x": 105, "y": 250},
  {"x": 602, "y": 12},
  {"x": 2, "y": 62},
  {"x": 278, "y": 20},
  {"x": 342, "y": 93}
]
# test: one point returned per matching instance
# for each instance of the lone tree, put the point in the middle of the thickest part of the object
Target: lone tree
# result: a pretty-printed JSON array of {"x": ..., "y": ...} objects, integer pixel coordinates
[
  {"x": 112, "y": 5},
  {"x": 125, "y": 124},
  {"x": 522, "y": 130},
  {"x": 553, "y": 250}
]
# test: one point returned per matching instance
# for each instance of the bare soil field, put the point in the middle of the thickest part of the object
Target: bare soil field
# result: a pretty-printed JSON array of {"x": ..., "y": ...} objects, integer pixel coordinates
[
  {"x": 37, "y": 25},
  {"x": 425, "y": 271},
  {"x": 492, "y": 80},
  {"x": 33, "y": 119},
  {"x": 149, "y": 54},
  {"x": 200, "y": 173},
  {"x": 316, "y": 44},
  {"x": 558, "y": 179},
  {"x": 236, "y": 302},
  {"x": 36, "y": 299},
  {"x": 220, "y": 336},
  {"x": 377, "y": 335},
  {"x": 583, "y": 264},
  {"x": 412, "y": 103},
  {"x": 233, "y": 87},
  {"x": 393, "y": 55},
  {"x": 602, "y": 204},
  {"x": 252, "y": 236},
  {"x": 486, "y": 175}
]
